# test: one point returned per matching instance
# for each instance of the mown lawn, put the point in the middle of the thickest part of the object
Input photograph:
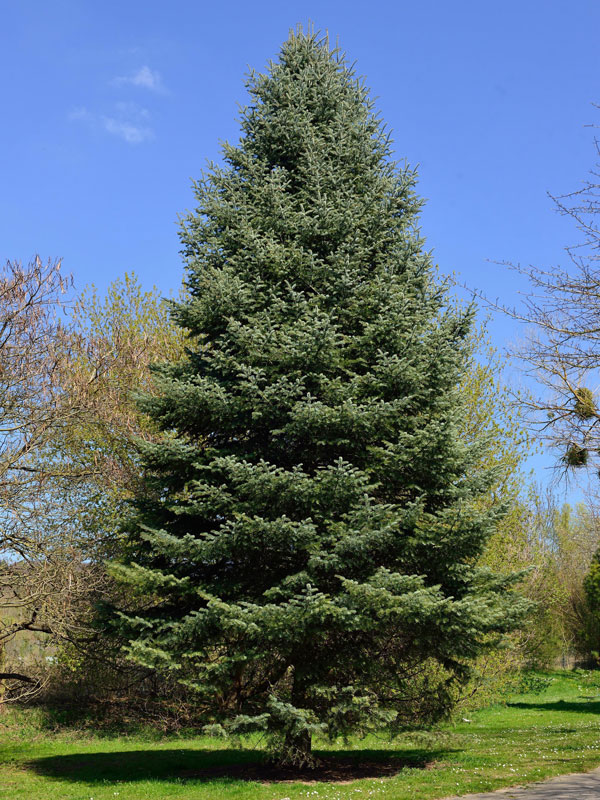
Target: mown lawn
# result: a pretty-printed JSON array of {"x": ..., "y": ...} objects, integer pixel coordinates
[{"x": 533, "y": 736}]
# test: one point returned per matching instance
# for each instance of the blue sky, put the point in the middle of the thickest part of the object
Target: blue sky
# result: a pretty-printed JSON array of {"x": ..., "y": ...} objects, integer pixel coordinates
[{"x": 112, "y": 108}]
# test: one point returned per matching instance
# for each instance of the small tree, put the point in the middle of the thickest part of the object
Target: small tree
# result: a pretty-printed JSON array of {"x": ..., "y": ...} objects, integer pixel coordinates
[
  {"x": 305, "y": 541},
  {"x": 112, "y": 341}
]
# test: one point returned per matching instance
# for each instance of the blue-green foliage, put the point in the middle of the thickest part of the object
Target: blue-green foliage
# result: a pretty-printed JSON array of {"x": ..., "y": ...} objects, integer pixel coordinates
[{"x": 305, "y": 545}]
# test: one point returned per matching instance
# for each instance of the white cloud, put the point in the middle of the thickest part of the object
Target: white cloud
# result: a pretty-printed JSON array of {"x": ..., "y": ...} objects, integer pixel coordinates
[
  {"x": 144, "y": 78},
  {"x": 128, "y": 122},
  {"x": 131, "y": 133}
]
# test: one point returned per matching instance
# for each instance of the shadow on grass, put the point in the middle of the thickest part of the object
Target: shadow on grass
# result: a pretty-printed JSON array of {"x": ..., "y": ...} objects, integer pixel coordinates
[
  {"x": 582, "y": 706},
  {"x": 227, "y": 765}
]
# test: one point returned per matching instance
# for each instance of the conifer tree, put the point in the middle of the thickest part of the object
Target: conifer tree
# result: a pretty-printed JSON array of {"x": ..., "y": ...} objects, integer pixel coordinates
[{"x": 305, "y": 546}]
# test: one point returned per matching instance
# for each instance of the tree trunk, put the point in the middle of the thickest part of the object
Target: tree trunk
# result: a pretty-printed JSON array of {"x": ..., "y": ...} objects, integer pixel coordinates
[
  {"x": 297, "y": 747},
  {"x": 2, "y": 681},
  {"x": 297, "y": 750}
]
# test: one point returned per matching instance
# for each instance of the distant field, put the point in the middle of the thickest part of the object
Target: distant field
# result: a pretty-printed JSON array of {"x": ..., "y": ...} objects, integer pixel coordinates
[{"x": 532, "y": 737}]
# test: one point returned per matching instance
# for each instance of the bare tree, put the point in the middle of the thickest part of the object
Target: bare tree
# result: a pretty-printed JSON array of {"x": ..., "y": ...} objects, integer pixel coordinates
[
  {"x": 68, "y": 457},
  {"x": 562, "y": 347},
  {"x": 43, "y": 571}
]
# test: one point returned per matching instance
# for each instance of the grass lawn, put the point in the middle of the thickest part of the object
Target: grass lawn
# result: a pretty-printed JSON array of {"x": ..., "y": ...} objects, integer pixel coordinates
[{"x": 533, "y": 736}]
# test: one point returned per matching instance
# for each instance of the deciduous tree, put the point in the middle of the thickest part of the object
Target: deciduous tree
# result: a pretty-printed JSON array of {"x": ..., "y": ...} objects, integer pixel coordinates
[
  {"x": 68, "y": 459},
  {"x": 562, "y": 348}
]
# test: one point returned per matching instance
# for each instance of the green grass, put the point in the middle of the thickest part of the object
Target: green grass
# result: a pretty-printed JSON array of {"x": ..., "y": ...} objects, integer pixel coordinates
[{"x": 532, "y": 737}]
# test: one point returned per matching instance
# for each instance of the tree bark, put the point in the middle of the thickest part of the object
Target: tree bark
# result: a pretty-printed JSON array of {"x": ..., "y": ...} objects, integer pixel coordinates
[
  {"x": 298, "y": 750},
  {"x": 297, "y": 747}
]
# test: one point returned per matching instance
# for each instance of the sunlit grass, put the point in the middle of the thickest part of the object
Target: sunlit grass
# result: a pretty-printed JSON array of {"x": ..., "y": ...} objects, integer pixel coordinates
[{"x": 532, "y": 737}]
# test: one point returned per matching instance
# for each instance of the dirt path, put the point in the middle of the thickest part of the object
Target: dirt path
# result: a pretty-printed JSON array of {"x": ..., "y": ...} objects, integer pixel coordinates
[{"x": 566, "y": 787}]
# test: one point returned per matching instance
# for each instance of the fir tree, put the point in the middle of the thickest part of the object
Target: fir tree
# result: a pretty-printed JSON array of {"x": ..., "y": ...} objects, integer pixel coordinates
[{"x": 305, "y": 544}]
